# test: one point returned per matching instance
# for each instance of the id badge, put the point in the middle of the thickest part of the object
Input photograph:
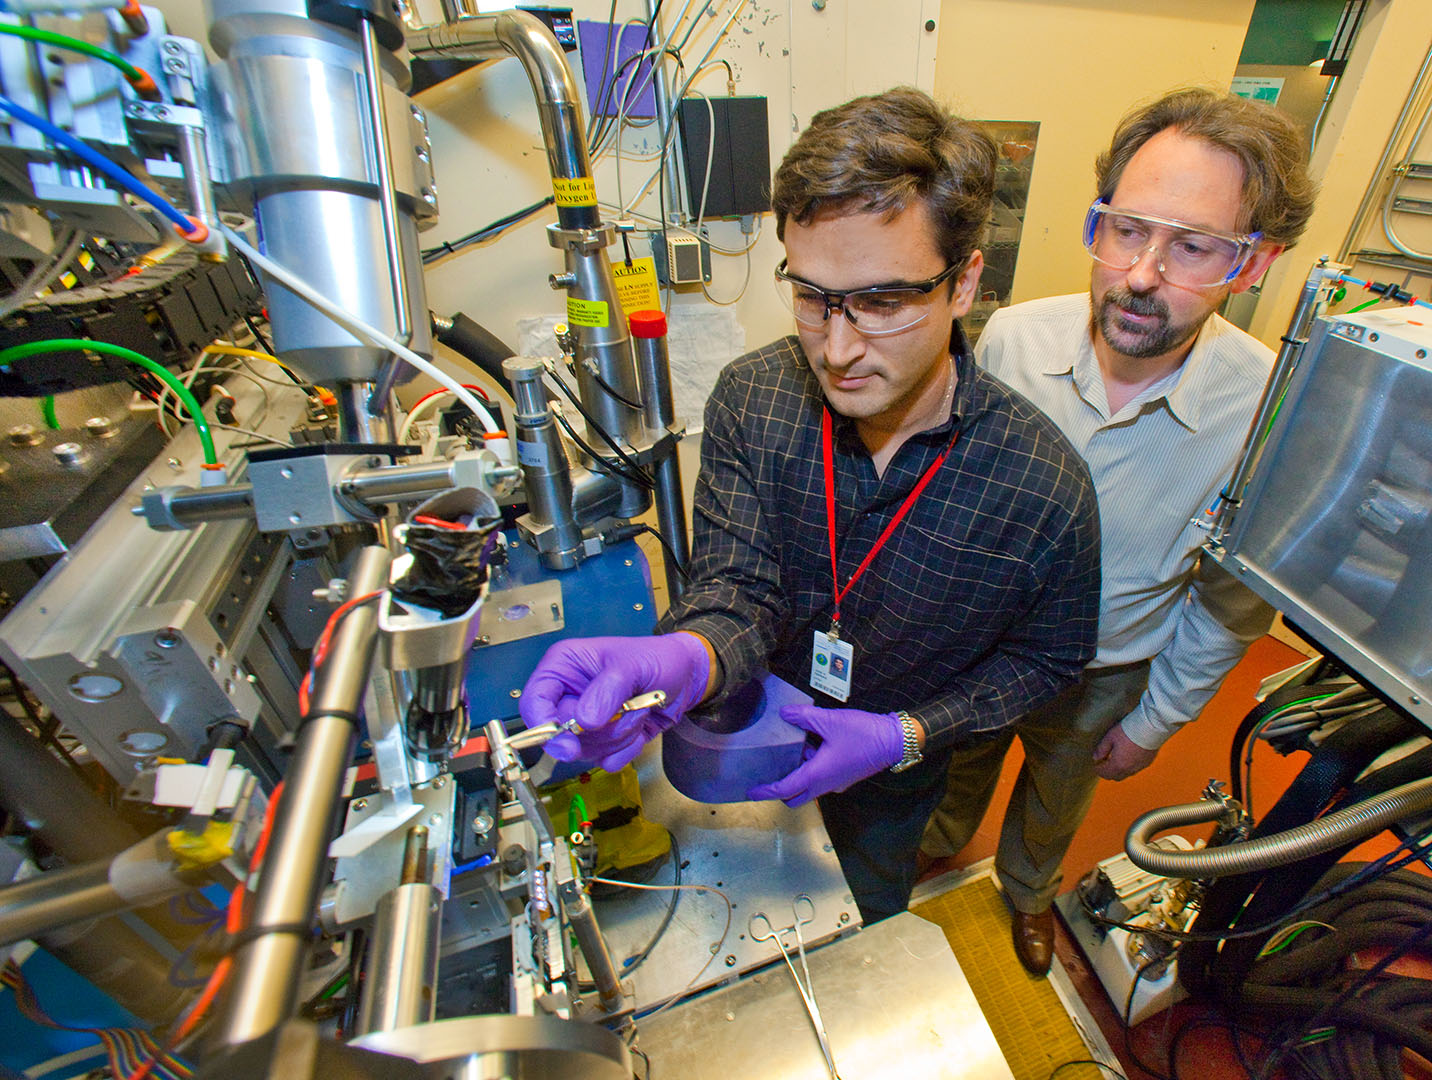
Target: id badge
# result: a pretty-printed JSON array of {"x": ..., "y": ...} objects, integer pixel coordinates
[{"x": 832, "y": 665}]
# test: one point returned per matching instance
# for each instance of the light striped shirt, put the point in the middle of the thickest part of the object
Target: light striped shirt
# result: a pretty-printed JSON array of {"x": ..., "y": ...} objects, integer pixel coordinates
[{"x": 1157, "y": 464}]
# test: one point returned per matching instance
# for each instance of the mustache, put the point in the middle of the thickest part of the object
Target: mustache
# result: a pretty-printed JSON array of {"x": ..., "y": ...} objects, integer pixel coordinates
[{"x": 1135, "y": 303}]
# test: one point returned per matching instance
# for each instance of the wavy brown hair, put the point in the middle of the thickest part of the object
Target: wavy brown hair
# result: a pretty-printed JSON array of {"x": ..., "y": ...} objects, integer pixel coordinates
[
  {"x": 886, "y": 152},
  {"x": 1277, "y": 191}
]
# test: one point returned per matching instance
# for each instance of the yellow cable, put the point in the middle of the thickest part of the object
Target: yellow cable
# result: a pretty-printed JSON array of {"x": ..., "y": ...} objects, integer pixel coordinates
[{"x": 252, "y": 354}]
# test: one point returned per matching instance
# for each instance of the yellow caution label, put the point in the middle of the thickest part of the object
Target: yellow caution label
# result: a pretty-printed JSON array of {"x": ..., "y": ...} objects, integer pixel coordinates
[
  {"x": 575, "y": 191},
  {"x": 637, "y": 288},
  {"x": 587, "y": 312}
]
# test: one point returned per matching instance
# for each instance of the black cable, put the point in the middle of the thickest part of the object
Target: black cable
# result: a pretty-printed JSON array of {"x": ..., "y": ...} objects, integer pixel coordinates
[
  {"x": 675, "y": 561},
  {"x": 640, "y": 958},
  {"x": 1340, "y": 1001},
  {"x": 1128, "y": 1015},
  {"x": 595, "y": 425},
  {"x": 601, "y": 464},
  {"x": 1086, "y": 1061},
  {"x": 487, "y": 232},
  {"x": 612, "y": 391}
]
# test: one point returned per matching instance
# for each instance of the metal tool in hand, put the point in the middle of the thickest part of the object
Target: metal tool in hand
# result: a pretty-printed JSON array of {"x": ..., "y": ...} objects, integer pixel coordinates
[
  {"x": 539, "y": 735},
  {"x": 806, "y": 988}
]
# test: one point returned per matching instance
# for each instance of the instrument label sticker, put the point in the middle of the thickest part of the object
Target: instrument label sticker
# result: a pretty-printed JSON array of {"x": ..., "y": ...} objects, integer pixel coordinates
[
  {"x": 574, "y": 191},
  {"x": 587, "y": 312},
  {"x": 636, "y": 285}
]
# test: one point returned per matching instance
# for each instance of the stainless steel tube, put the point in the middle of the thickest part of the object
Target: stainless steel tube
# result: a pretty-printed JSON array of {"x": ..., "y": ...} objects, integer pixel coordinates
[
  {"x": 137, "y": 876},
  {"x": 558, "y": 104},
  {"x": 1343, "y": 827},
  {"x": 264, "y": 983},
  {"x": 400, "y": 978},
  {"x": 583, "y": 921}
]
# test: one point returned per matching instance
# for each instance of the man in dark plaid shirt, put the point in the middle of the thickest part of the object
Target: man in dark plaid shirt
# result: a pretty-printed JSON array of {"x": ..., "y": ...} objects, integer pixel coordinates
[{"x": 965, "y": 531}]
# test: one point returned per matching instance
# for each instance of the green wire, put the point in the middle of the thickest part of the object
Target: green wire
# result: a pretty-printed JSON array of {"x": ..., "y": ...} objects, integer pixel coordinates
[
  {"x": 182, "y": 392},
  {"x": 1365, "y": 306},
  {"x": 47, "y": 410},
  {"x": 576, "y": 816},
  {"x": 63, "y": 41}
]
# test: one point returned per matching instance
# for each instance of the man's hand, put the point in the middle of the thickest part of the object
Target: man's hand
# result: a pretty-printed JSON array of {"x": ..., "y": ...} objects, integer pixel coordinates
[
  {"x": 588, "y": 679},
  {"x": 853, "y": 745},
  {"x": 1117, "y": 757}
]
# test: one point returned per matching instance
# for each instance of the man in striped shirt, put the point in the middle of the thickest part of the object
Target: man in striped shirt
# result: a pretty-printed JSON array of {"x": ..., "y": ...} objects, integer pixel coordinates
[{"x": 1198, "y": 193}]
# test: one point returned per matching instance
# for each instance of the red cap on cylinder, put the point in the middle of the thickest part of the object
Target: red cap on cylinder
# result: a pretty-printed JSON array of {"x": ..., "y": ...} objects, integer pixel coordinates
[{"x": 647, "y": 324}]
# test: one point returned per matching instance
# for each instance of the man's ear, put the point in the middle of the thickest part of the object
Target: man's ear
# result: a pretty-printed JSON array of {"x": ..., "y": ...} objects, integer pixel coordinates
[
  {"x": 1255, "y": 268},
  {"x": 967, "y": 285}
]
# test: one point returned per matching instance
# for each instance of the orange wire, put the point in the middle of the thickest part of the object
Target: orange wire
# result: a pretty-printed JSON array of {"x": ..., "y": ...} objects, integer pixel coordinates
[
  {"x": 233, "y": 923},
  {"x": 320, "y": 650}
]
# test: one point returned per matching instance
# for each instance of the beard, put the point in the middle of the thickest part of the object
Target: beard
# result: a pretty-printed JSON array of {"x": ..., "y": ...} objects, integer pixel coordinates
[{"x": 1143, "y": 341}]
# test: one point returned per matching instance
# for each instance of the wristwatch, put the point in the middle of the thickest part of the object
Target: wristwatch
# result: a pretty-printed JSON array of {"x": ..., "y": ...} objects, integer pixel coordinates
[{"x": 909, "y": 731}]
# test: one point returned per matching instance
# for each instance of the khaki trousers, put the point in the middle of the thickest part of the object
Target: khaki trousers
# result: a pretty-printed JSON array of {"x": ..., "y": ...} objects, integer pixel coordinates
[{"x": 1053, "y": 792}]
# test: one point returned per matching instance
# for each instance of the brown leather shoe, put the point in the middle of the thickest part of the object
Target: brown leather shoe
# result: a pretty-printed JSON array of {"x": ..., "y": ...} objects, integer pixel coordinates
[{"x": 1034, "y": 940}]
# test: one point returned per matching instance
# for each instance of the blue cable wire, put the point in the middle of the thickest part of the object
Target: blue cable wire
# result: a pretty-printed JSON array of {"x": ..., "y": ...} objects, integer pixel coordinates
[{"x": 119, "y": 175}]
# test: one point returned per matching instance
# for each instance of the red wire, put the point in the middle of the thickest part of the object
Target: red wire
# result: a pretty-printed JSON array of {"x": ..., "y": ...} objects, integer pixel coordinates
[
  {"x": 436, "y": 522},
  {"x": 320, "y": 650},
  {"x": 444, "y": 390}
]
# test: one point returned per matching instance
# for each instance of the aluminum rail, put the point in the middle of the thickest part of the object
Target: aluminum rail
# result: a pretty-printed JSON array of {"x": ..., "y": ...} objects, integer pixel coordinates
[{"x": 263, "y": 987}]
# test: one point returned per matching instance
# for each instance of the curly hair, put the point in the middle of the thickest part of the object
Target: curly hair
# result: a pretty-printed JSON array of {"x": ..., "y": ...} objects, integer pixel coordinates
[
  {"x": 1277, "y": 191},
  {"x": 881, "y": 154}
]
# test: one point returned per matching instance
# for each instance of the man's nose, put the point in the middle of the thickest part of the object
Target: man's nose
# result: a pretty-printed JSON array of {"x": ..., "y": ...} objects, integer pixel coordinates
[
  {"x": 843, "y": 343},
  {"x": 1144, "y": 275}
]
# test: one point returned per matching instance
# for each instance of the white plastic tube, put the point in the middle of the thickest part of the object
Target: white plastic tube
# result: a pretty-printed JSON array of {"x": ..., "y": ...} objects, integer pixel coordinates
[{"x": 358, "y": 328}]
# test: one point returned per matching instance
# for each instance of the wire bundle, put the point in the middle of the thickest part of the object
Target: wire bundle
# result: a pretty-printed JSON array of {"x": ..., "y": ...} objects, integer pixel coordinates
[
  {"x": 1347, "y": 1021},
  {"x": 125, "y": 1047}
]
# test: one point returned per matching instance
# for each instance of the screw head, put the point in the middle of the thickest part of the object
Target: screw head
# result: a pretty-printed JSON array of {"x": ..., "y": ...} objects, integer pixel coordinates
[
  {"x": 168, "y": 638},
  {"x": 514, "y": 693},
  {"x": 360, "y": 804},
  {"x": 24, "y": 435}
]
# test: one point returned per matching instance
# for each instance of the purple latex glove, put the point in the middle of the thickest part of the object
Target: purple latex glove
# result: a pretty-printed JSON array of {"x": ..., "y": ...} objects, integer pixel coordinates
[
  {"x": 590, "y": 678},
  {"x": 853, "y": 745}
]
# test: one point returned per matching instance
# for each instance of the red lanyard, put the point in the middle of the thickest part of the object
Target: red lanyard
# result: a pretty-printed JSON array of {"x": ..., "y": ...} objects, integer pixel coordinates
[{"x": 919, "y": 487}]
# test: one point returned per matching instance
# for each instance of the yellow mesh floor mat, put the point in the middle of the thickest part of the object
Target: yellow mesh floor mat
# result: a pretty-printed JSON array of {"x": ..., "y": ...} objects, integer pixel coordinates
[{"x": 1027, "y": 1018}]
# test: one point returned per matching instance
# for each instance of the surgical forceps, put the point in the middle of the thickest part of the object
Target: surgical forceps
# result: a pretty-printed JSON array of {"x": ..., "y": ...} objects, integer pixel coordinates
[{"x": 806, "y": 988}]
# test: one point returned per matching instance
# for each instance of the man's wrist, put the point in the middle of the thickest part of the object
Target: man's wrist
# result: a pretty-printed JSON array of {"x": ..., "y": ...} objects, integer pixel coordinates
[{"x": 912, "y": 741}]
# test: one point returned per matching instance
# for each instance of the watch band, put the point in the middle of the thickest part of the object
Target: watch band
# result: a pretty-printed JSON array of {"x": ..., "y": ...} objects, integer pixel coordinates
[{"x": 909, "y": 732}]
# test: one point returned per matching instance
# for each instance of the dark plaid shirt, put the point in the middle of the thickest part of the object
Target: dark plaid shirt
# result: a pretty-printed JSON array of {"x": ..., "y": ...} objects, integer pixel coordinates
[{"x": 983, "y": 603}]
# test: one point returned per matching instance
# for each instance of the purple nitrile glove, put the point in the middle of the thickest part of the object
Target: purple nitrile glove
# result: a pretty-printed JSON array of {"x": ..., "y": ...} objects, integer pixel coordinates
[
  {"x": 854, "y": 744},
  {"x": 589, "y": 678}
]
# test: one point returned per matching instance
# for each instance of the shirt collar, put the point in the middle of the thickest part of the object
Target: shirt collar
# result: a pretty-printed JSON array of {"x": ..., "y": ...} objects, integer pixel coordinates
[{"x": 1181, "y": 390}]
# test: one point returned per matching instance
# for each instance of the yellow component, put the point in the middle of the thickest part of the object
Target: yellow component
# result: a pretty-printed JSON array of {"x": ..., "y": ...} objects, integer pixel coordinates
[
  {"x": 194, "y": 852},
  {"x": 637, "y": 287},
  {"x": 171, "y": 761},
  {"x": 574, "y": 191},
  {"x": 587, "y": 312},
  {"x": 623, "y": 837}
]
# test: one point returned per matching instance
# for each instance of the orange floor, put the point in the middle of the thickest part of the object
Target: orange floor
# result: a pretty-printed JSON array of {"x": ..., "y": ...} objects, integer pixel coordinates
[{"x": 1184, "y": 766}]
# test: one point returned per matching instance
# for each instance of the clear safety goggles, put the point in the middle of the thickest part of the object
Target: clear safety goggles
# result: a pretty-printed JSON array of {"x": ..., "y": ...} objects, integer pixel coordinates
[
  {"x": 874, "y": 311},
  {"x": 1187, "y": 255}
]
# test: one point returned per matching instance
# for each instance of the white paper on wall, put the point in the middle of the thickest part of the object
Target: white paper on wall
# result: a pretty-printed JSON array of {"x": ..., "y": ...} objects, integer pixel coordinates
[{"x": 701, "y": 341}]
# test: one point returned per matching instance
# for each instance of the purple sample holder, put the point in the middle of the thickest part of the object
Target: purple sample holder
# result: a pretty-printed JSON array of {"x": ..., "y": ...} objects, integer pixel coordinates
[{"x": 716, "y": 756}]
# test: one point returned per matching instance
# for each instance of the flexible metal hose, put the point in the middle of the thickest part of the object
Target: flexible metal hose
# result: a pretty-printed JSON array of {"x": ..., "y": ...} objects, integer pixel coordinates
[{"x": 1343, "y": 827}]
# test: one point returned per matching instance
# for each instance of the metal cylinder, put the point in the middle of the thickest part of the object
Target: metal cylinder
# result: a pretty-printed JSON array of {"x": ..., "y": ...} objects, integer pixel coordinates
[
  {"x": 319, "y": 201},
  {"x": 546, "y": 473},
  {"x": 400, "y": 977},
  {"x": 671, "y": 520},
  {"x": 356, "y": 424},
  {"x": 137, "y": 876},
  {"x": 263, "y": 986},
  {"x": 583, "y": 921}
]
